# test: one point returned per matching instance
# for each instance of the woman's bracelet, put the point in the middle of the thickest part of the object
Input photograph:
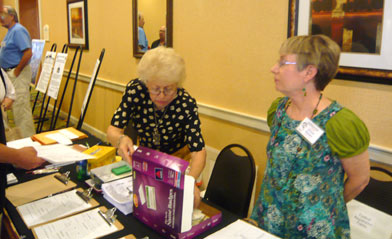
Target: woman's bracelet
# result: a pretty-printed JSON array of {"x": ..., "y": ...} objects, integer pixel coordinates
[{"x": 119, "y": 139}]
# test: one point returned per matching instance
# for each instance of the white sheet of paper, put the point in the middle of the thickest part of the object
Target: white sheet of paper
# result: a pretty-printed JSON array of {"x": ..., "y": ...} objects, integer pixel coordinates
[
  {"x": 44, "y": 78},
  {"x": 57, "y": 75},
  {"x": 68, "y": 134},
  {"x": 60, "y": 154},
  {"x": 239, "y": 230},
  {"x": 367, "y": 222},
  {"x": 51, "y": 208},
  {"x": 85, "y": 225},
  {"x": 11, "y": 178},
  {"x": 59, "y": 138},
  {"x": 20, "y": 143}
]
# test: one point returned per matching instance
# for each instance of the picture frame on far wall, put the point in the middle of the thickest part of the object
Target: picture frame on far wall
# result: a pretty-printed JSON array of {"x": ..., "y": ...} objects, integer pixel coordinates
[
  {"x": 363, "y": 30},
  {"x": 77, "y": 23}
]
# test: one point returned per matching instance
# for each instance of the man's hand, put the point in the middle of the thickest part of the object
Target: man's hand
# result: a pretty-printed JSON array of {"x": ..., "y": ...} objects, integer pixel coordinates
[
  {"x": 7, "y": 103},
  {"x": 27, "y": 158}
]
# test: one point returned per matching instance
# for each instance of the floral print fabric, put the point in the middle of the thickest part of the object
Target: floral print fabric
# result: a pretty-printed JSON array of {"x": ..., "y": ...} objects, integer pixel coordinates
[{"x": 302, "y": 191}]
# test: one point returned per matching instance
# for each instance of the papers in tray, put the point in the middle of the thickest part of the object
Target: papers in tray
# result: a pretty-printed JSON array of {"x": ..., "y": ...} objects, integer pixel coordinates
[
  {"x": 50, "y": 208},
  {"x": 119, "y": 194},
  {"x": 241, "y": 229},
  {"x": 367, "y": 222},
  {"x": 60, "y": 154}
]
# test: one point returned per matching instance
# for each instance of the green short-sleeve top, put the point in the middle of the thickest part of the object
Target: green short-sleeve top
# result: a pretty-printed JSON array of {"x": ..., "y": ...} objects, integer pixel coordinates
[{"x": 347, "y": 135}]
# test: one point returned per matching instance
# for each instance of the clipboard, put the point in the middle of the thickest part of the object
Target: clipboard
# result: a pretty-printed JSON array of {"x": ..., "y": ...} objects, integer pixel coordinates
[
  {"x": 42, "y": 139},
  {"x": 41, "y": 232},
  {"x": 36, "y": 189},
  {"x": 92, "y": 203}
]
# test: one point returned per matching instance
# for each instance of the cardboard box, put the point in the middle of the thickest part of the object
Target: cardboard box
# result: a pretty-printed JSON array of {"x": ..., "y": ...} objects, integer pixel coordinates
[
  {"x": 163, "y": 195},
  {"x": 103, "y": 155}
]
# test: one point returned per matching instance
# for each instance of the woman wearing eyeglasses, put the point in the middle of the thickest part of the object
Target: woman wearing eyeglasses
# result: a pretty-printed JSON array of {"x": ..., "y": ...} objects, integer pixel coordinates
[
  {"x": 314, "y": 143},
  {"x": 164, "y": 115}
]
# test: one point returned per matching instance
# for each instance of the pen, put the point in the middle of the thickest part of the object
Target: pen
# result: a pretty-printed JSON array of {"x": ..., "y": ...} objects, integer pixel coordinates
[{"x": 42, "y": 171}]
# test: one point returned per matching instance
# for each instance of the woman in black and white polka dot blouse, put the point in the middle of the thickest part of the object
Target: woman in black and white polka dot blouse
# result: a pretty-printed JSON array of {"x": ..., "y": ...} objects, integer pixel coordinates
[{"x": 164, "y": 115}]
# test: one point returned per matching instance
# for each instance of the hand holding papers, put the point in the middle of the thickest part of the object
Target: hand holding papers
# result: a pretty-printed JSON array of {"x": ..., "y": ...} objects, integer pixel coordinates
[{"x": 60, "y": 154}]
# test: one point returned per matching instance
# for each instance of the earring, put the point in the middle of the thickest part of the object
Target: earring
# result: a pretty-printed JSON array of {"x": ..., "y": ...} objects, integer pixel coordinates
[{"x": 304, "y": 91}]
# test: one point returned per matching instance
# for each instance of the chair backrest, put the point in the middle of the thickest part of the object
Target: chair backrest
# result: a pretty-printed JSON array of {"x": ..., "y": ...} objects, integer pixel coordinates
[
  {"x": 378, "y": 194},
  {"x": 231, "y": 182}
]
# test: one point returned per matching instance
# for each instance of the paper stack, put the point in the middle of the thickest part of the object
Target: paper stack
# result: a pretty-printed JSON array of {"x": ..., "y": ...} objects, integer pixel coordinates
[{"x": 119, "y": 194}]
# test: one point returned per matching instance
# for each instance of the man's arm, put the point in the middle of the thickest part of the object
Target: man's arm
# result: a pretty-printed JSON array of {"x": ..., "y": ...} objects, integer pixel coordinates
[
  {"x": 22, "y": 158},
  {"x": 27, "y": 54}
]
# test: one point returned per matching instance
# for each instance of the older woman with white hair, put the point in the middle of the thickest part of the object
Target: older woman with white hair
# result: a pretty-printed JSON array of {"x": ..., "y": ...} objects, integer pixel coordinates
[{"x": 164, "y": 115}]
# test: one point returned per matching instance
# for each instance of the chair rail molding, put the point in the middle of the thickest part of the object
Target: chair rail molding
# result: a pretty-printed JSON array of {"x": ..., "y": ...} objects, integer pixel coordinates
[{"x": 377, "y": 153}]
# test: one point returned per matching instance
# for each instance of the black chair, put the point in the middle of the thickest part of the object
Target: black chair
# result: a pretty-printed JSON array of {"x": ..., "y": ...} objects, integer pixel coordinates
[
  {"x": 231, "y": 181},
  {"x": 378, "y": 194}
]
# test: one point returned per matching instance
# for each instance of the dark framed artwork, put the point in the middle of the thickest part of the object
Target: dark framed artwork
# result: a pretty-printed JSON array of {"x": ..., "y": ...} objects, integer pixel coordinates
[
  {"x": 361, "y": 28},
  {"x": 77, "y": 23}
]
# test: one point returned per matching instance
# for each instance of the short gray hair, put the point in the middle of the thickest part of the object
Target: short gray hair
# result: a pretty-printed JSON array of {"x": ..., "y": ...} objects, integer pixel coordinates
[
  {"x": 11, "y": 11},
  {"x": 162, "y": 64}
]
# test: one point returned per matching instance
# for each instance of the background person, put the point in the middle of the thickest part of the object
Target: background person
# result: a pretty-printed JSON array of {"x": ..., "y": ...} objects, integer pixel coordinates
[
  {"x": 304, "y": 194},
  {"x": 142, "y": 38},
  {"x": 15, "y": 54},
  {"x": 162, "y": 38},
  {"x": 164, "y": 114}
]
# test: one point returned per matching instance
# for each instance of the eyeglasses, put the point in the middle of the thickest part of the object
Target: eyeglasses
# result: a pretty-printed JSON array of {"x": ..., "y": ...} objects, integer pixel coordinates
[
  {"x": 166, "y": 91},
  {"x": 3, "y": 15},
  {"x": 282, "y": 63}
]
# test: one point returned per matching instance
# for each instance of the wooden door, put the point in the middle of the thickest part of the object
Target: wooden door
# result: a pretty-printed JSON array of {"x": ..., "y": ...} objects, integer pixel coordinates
[{"x": 29, "y": 17}]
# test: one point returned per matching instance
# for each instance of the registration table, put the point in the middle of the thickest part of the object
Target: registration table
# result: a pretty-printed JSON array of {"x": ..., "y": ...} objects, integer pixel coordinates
[{"x": 131, "y": 224}]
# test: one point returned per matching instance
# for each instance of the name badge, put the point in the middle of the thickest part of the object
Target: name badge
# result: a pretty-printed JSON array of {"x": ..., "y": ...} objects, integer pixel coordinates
[{"x": 309, "y": 130}]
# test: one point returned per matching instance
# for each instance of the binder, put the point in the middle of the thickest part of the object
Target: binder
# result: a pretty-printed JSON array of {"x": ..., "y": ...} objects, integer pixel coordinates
[
  {"x": 49, "y": 209},
  {"x": 36, "y": 189},
  {"x": 45, "y": 141},
  {"x": 88, "y": 224}
]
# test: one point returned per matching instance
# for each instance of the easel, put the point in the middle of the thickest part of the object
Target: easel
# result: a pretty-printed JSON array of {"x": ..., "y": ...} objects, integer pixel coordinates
[
  {"x": 90, "y": 91},
  {"x": 52, "y": 127},
  {"x": 64, "y": 50}
]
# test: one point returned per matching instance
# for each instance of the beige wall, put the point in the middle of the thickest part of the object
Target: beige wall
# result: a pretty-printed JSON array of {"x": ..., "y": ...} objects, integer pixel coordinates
[{"x": 229, "y": 47}]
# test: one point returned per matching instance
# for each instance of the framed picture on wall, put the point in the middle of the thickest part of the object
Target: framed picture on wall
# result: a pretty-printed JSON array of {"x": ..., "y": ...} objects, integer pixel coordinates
[
  {"x": 361, "y": 28},
  {"x": 77, "y": 23}
]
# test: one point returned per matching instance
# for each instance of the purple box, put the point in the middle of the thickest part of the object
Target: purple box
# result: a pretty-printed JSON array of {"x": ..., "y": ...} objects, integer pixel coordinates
[{"x": 163, "y": 195}]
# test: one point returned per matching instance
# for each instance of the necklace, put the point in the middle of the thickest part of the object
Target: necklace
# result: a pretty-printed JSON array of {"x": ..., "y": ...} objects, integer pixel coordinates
[
  {"x": 314, "y": 112},
  {"x": 156, "y": 137}
]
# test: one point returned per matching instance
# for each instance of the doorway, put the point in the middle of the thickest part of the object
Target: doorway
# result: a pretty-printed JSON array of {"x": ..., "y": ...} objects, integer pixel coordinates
[{"x": 29, "y": 17}]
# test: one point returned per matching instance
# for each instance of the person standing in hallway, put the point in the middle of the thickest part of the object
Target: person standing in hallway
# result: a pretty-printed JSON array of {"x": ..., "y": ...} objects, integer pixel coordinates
[{"x": 15, "y": 55}]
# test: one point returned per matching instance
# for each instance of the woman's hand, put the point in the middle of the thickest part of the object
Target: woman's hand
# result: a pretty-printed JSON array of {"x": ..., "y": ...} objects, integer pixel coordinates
[{"x": 125, "y": 148}]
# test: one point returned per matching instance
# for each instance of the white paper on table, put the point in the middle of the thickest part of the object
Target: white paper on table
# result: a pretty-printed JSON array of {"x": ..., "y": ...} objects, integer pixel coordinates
[
  {"x": 68, "y": 134},
  {"x": 50, "y": 208},
  {"x": 11, "y": 178},
  {"x": 239, "y": 230},
  {"x": 44, "y": 78},
  {"x": 20, "y": 143},
  {"x": 85, "y": 225},
  {"x": 367, "y": 222},
  {"x": 60, "y": 154},
  {"x": 57, "y": 75},
  {"x": 59, "y": 138}
]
